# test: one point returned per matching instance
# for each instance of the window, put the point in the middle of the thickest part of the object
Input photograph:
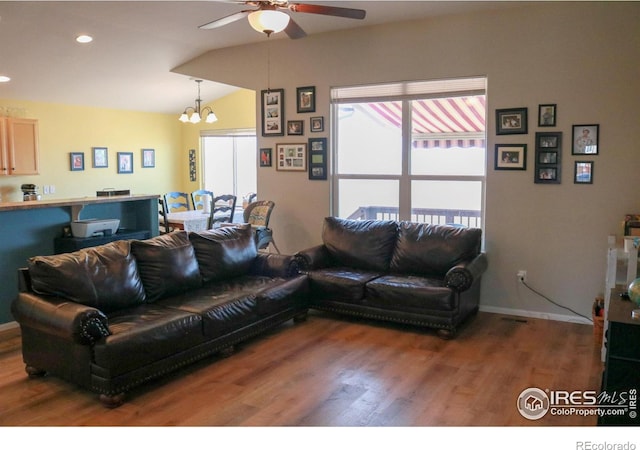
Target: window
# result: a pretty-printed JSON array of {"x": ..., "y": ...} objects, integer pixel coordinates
[
  {"x": 410, "y": 151},
  {"x": 229, "y": 163}
]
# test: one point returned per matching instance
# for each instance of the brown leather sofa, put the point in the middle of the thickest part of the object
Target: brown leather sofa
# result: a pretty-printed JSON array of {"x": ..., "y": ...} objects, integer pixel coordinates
[
  {"x": 414, "y": 273},
  {"x": 109, "y": 318}
]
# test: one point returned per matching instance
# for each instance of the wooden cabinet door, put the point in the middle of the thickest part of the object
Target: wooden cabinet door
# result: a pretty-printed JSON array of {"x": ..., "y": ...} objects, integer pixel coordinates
[{"x": 20, "y": 152}]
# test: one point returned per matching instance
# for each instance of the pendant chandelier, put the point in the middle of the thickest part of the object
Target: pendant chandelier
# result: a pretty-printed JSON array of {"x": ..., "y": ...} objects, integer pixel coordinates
[{"x": 196, "y": 113}]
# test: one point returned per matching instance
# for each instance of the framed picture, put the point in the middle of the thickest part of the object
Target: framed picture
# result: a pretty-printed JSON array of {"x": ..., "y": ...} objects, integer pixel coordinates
[
  {"x": 583, "y": 173},
  {"x": 265, "y": 157},
  {"x": 192, "y": 164},
  {"x": 317, "y": 158},
  {"x": 100, "y": 157},
  {"x": 76, "y": 161},
  {"x": 306, "y": 97},
  {"x": 273, "y": 112},
  {"x": 295, "y": 127},
  {"x": 548, "y": 168},
  {"x": 511, "y": 157},
  {"x": 125, "y": 162},
  {"x": 511, "y": 121},
  {"x": 317, "y": 124},
  {"x": 291, "y": 157},
  {"x": 547, "y": 115},
  {"x": 585, "y": 140},
  {"x": 148, "y": 157}
]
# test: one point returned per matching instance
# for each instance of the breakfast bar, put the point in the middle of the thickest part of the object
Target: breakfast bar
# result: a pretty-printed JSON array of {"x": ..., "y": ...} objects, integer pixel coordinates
[{"x": 30, "y": 228}]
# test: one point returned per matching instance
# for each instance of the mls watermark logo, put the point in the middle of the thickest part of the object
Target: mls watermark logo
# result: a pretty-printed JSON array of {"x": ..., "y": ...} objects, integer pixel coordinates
[{"x": 534, "y": 403}]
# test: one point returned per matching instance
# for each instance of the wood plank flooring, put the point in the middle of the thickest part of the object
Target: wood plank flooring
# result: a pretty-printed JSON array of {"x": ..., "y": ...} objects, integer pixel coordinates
[{"x": 333, "y": 371}]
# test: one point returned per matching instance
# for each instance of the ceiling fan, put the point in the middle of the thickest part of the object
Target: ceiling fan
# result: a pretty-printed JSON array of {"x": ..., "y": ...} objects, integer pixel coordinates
[{"x": 269, "y": 18}]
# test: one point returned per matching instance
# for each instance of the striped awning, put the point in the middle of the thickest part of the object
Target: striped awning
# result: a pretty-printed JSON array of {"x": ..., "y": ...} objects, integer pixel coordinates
[{"x": 440, "y": 122}]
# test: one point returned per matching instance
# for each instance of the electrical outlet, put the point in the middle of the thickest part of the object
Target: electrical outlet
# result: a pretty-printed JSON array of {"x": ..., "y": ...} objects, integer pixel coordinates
[
  {"x": 52, "y": 189},
  {"x": 522, "y": 276},
  {"x": 46, "y": 189}
]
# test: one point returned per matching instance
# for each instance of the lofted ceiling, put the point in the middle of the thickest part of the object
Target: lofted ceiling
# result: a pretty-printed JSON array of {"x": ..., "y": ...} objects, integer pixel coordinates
[{"x": 137, "y": 43}]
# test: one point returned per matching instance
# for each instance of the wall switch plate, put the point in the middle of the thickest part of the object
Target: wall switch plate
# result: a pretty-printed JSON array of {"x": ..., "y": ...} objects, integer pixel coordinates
[{"x": 45, "y": 189}]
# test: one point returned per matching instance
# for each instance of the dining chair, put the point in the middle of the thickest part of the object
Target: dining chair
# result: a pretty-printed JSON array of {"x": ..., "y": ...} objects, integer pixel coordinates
[
  {"x": 257, "y": 214},
  {"x": 163, "y": 222},
  {"x": 223, "y": 208},
  {"x": 198, "y": 197},
  {"x": 176, "y": 201}
]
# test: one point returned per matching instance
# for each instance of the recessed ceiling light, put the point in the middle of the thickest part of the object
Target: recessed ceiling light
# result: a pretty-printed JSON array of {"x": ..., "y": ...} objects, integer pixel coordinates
[
  {"x": 4, "y": 79},
  {"x": 84, "y": 39}
]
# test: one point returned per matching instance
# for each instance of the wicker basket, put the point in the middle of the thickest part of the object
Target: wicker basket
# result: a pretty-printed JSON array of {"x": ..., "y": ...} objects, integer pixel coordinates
[{"x": 598, "y": 322}]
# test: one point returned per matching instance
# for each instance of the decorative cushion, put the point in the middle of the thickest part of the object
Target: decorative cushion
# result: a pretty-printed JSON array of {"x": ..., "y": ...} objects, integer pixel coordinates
[
  {"x": 167, "y": 265},
  {"x": 224, "y": 252},
  {"x": 360, "y": 244},
  {"x": 105, "y": 277},
  {"x": 432, "y": 250}
]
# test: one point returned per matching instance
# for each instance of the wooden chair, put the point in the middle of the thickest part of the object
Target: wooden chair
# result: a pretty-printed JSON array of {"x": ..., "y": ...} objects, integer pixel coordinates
[
  {"x": 223, "y": 208},
  {"x": 197, "y": 198},
  {"x": 163, "y": 222},
  {"x": 258, "y": 214},
  {"x": 176, "y": 201}
]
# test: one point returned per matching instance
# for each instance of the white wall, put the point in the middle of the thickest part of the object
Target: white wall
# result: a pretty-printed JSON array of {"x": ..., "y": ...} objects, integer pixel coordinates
[{"x": 582, "y": 56}]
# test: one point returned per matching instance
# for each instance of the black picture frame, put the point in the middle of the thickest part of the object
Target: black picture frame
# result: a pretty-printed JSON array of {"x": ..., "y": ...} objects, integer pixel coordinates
[
  {"x": 583, "y": 172},
  {"x": 148, "y": 157},
  {"x": 265, "y": 157},
  {"x": 510, "y": 157},
  {"x": 295, "y": 127},
  {"x": 306, "y": 99},
  {"x": 272, "y": 112},
  {"x": 547, "y": 115},
  {"x": 317, "y": 158},
  {"x": 100, "y": 157},
  {"x": 316, "y": 124},
  {"x": 548, "y": 158},
  {"x": 512, "y": 121},
  {"x": 76, "y": 161},
  {"x": 585, "y": 139},
  {"x": 125, "y": 162}
]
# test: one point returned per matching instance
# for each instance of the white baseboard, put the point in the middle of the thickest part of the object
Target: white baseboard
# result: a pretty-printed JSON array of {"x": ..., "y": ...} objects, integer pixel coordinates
[
  {"x": 8, "y": 326},
  {"x": 535, "y": 314}
]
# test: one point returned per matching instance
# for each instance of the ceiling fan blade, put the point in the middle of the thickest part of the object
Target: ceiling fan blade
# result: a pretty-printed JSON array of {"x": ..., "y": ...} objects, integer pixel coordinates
[
  {"x": 349, "y": 13},
  {"x": 293, "y": 30},
  {"x": 225, "y": 20}
]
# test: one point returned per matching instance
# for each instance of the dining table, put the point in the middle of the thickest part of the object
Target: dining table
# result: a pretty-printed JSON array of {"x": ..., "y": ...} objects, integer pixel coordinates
[{"x": 192, "y": 220}]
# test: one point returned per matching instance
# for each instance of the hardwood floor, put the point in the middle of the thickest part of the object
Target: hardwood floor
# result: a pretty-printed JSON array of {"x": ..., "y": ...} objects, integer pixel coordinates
[{"x": 332, "y": 371}]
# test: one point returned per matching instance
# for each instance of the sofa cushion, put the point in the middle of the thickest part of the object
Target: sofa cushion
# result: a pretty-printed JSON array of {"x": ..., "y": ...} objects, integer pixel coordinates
[
  {"x": 224, "y": 252},
  {"x": 339, "y": 283},
  {"x": 144, "y": 335},
  {"x": 432, "y": 250},
  {"x": 410, "y": 294},
  {"x": 361, "y": 244},
  {"x": 167, "y": 264},
  {"x": 105, "y": 277}
]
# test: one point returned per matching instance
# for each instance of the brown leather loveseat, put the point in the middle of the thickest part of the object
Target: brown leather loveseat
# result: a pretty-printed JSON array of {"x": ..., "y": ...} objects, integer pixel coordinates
[
  {"x": 111, "y": 317},
  {"x": 414, "y": 273}
]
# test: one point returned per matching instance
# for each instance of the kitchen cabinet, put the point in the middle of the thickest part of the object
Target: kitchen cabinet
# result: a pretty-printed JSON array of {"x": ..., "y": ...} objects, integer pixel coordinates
[{"x": 18, "y": 146}]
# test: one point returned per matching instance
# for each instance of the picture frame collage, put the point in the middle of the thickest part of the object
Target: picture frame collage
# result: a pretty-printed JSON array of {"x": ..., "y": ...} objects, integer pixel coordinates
[
  {"x": 548, "y": 145},
  {"x": 100, "y": 160},
  {"x": 296, "y": 156}
]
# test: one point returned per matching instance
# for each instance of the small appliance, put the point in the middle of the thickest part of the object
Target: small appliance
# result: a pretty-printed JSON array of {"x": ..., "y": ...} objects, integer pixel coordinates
[{"x": 30, "y": 192}]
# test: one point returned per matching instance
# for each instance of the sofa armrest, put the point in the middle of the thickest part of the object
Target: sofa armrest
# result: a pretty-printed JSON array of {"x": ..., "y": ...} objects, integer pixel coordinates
[
  {"x": 462, "y": 276},
  {"x": 275, "y": 265},
  {"x": 313, "y": 258},
  {"x": 57, "y": 316}
]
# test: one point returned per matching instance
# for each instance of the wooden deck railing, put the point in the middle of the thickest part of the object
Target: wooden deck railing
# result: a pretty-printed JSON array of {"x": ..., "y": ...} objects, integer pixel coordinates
[{"x": 470, "y": 218}]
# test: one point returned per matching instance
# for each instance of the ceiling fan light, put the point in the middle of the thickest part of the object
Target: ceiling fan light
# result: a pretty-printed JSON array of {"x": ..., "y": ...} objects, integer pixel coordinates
[{"x": 268, "y": 21}]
